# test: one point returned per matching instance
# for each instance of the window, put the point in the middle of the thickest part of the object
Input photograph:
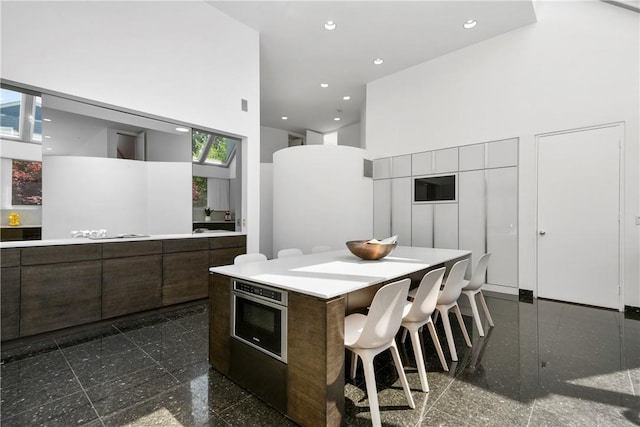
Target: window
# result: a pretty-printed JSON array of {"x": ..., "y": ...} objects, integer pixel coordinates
[
  {"x": 212, "y": 149},
  {"x": 26, "y": 183},
  {"x": 20, "y": 116},
  {"x": 199, "y": 191},
  {"x": 10, "y": 113}
]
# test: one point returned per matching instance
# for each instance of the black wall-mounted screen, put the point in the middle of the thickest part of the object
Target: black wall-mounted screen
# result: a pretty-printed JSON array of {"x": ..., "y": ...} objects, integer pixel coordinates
[{"x": 435, "y": 188}]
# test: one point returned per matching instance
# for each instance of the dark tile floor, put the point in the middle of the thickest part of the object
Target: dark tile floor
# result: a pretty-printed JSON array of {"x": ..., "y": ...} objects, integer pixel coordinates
[{"x": 543, "y": 364}]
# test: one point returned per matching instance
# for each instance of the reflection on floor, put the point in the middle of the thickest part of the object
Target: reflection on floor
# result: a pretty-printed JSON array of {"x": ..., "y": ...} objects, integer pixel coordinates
[{"x": 545, "y": 363}]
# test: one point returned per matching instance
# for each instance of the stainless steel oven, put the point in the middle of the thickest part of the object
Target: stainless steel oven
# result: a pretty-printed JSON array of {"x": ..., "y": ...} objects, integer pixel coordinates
[{"x": 259, "y": 318}]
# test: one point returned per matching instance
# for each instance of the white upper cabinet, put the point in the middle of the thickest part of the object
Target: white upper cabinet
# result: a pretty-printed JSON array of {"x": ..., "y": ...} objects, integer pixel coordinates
[
  {"x": 445, "y": 160},
  {"x": 502, "y": 153},
  {"x": 472, "y": 157},
  {"x": 401, "y": 166},
  {"x": 422, "y": 163},
  {"x": 382, "y": 168}
]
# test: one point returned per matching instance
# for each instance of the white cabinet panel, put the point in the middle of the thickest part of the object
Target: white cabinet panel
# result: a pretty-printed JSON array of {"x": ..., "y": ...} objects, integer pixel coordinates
[
  {"x": 472, "y": 213},
  {"x": 381, "y": 208},
  {"x": 502, "y": 153},
  {"x": 472, "y": 157},
  {"x": 502, "y": 226},
  {"x": 401, "y": 166},
  {"x": 382, "y": 168},
  {"x": 422, "y": 163},
  {"x": 445, "y": 160},
  {"x": 445, "y": 225},
  {"x": 422, "y": 225},
  {"x": 401, "y": 210}
]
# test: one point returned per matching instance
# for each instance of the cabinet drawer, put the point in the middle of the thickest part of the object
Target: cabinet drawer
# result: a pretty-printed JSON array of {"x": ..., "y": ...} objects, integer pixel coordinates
[
  {"x": 58, "y": 296},
  {"x": 10, "y": 257},
  {"x": 57, "y": 254},
  {"x": 131, "y": 284},
  {"x": 227, "y": 242},
  {"x": 185, "y": 277},
  {"x": 128, "y": 249},
  {"x": 10, "y": 309},
  {"x": 224, "y": 256},
  {"x": 184, "y": 245}
]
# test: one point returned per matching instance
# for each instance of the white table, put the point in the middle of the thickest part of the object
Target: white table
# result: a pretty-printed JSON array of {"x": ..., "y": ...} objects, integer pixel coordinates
[{"x": 322, "y": 287}]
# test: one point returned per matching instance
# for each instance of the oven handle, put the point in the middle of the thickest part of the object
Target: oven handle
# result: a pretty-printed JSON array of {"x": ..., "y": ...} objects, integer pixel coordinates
[{"x": 257, "y": 299}]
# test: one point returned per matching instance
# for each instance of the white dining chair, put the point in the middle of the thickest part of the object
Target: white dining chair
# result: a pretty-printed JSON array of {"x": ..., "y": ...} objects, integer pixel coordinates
[
  {"x": 369, "y": 335},
  {"x": 473, "y": 287},
  {"x": 320, "y": 248},
  {"x": 290, "y": 252},
  {"x": 447, "y": 300},
  {"x": 417, "y": 314},
  {"x": 247, "y": 258}
]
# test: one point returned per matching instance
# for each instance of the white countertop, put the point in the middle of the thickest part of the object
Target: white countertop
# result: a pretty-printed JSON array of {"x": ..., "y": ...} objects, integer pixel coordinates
[
  {"x": 330, "y": 274},
  {"x": 85, "y": 240}
]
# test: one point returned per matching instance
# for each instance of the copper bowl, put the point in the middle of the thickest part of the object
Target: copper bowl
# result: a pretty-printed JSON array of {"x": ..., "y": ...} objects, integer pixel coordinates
[{"x": 370, "y": 251}]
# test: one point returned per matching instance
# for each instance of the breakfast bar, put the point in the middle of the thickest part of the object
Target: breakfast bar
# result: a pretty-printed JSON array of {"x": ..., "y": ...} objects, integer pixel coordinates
[{"x": 277, "y": 326}]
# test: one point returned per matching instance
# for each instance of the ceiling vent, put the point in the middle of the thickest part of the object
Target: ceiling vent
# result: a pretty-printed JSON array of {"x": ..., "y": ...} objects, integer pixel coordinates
[{"x": 633, "y": 5}]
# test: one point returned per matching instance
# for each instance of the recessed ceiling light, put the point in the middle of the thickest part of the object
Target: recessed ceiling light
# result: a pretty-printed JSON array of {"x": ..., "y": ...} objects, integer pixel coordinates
[
  {"x": 337, "y": 119},
  {"x": 346, "y": 98},
  {"x": 324, "y": 85},
  {"x": 470, "y": 24},
  {"x": 330, "y": 26},
  {"x": 49, "y": 148},
  {"x": 181, "y": 129},
  {"x": 378, "y": 61},
  {"x": 284, "y": 117},
  {"x": 47, "y": 137},
  {"x": 47, "y": 120}
]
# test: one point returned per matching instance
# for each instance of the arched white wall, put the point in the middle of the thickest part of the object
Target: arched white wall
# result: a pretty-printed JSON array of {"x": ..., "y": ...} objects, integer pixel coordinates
[{"x": 320, "y": 197}]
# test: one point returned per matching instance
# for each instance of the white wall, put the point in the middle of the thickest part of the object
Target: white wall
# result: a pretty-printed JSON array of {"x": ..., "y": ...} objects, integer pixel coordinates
[
  {"x": 272, "y": 140},
  {"x": 320, "y": 197},
  {"x": 266, "y": 209},
  {"x": 139, "y": 56},
  {"x": 577, "y": 67},
  {"x": 350, "y": 135},
  {"x": 167, "y": 147}
]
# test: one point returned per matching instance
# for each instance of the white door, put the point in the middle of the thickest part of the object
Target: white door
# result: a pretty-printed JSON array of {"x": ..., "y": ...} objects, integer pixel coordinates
[{"x": 578, "y": 207}]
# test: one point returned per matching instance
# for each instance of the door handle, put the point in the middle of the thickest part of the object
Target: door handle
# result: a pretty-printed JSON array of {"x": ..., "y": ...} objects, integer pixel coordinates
[{"x": 542, "y": 232}]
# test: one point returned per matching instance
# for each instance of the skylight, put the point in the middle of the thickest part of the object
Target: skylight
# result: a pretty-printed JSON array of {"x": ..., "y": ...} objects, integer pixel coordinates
[{"x": 212, "y": 149}]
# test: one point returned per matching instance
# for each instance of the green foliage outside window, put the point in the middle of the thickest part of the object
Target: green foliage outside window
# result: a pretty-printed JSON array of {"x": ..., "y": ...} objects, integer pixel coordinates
[
  {"x": 217, "y": 151},
  {"x": 199, "y": 191}
]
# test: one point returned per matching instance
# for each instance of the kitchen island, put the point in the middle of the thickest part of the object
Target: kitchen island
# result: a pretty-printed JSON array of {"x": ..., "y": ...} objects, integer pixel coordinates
[
  {"x": 308, "y": 384},
  {"x": 50, "y": 286}
]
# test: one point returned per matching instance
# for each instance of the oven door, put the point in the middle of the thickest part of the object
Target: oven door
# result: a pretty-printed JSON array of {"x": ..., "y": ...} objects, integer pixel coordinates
[{"x": 261, "y": 324}]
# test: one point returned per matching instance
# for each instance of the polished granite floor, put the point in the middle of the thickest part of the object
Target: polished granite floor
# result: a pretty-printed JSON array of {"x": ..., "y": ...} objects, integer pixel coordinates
[{"x": 544, "y": 364}]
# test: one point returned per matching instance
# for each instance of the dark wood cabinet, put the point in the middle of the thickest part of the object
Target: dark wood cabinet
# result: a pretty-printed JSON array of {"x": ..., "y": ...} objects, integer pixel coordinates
[
  {"x": 10, "y": 303},
  {"x": 56, "y": 296},
  {"x": 185, "y": 276},
  {"x": 131, "y": 284},
  {"x": 8, "y": 234},
  {"x": 46, "y": 288},
  {"x": 39, "y": 255}
]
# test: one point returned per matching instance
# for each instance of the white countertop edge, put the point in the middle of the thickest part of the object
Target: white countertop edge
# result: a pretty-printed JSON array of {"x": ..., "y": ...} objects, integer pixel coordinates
[
  {"x": 344, "y": 272},
  {"x": 85, "y": 240}
]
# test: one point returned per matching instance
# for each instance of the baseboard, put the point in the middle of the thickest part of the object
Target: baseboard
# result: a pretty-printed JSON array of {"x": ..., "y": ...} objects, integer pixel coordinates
[
  {"x": 525, "y": 295},
  {"x": 631, "y": 312},
  {"x": 500, "y": 289}
]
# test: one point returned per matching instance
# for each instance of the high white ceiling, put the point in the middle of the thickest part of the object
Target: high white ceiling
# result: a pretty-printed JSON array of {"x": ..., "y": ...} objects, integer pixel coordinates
[{"x": 297, "y": 53}]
